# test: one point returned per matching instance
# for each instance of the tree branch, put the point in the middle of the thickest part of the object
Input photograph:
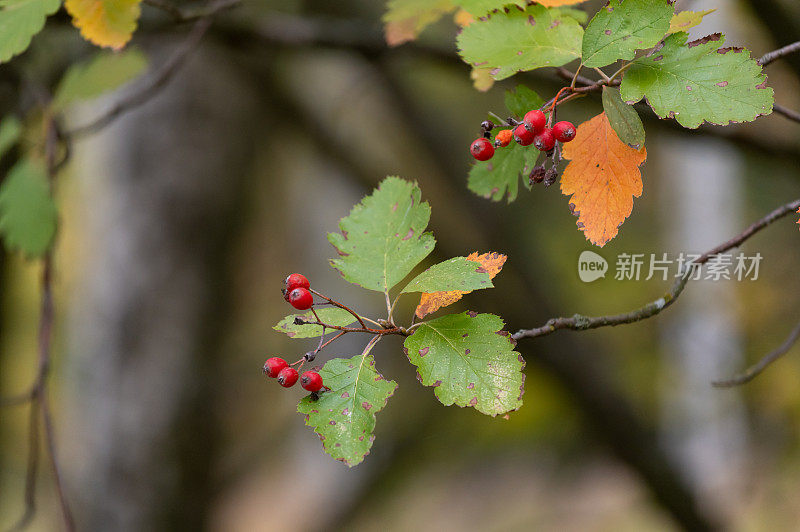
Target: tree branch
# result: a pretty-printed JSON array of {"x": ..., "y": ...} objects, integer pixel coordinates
[
  {"x": 579, "y": 322},
  {"x": 192, "y": 14},
  {"x": 769, "y": 57},
  {"x": 755, "y": 370}
]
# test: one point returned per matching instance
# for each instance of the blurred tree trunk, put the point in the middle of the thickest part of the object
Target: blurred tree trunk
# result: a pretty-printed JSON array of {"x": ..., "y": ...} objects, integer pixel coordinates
[{"x": 162, "y": 209}]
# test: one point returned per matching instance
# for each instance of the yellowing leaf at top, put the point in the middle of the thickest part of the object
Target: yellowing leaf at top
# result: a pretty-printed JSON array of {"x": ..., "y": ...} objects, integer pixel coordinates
[
  {"x": 107, "y": 23},
  {"x": 430, "y": 303},
  {"x": 602, "y": 177},
  {"x": 405, "y": 19},
  {"x": 686, "y": 20}
]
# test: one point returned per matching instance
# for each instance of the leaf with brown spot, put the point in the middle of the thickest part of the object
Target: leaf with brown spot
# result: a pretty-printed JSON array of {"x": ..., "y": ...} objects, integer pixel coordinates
[
  {"x": 458, "y": 273},
  {"x": 492, "y": 262},
  {"x": 345, "y": 414},
  {"x": 602, "y": 179},
  {"x": 480, "y": 370}
]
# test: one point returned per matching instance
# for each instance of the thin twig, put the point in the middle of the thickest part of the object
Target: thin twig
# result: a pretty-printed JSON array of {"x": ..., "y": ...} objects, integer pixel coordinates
[
  {"x": 791, "y": 114},
  {"x": 755, "y": 370},
  {"x": 159, "y": 80},
  {"x": 337, "y": 304},
  {"x": 189, "y": 14},
  {"x": 769, "y": 57},
  {"x": 579, "y": 322}
]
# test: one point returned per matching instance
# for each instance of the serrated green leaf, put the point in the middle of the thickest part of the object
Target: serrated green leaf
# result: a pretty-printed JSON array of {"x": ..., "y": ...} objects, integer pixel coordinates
[
  {"x": 470, "y": 361},
  {"x": 105, "y": 72},
  {"x": 458, "y": 273},
  {"x": 623, "y": 118},
  {"x": 521, "y": 100},
  {"x": 10, "y": 131},
  {"x": 383, "y": 238},
  {"x": 20, "y": 20},
  {"x": 28, "y": 214},
  {"x": 328, "y": 315},
  {"x": 520, "y": 40},
  {"x": 344, "y": 416},
  {"x": 622, "y": 27},
  {"x": 404, "y": 20},
  {"x": 698, "y": 82},
  {"x": 686, "y": 20},
  {"x": 579, "y": 15}
]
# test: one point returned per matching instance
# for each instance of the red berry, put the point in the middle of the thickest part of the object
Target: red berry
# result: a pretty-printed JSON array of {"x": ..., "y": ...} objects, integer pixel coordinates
[
  {"x": 523, "y": 136},
  {"x": 301, "y": 299},
  {"x": 296, "y": 280},
  {"x": 311, "y": 381},
  {"x": 564, "y": 131},
  {"x": 287, "y": 377},
  {"x": 273, "y": 366},
  {"x": 503, "y": 137},
  {"x": 545, "y": 141},
  {"x": 482, "y": 149},
  {"x": 534, "y": 121}
]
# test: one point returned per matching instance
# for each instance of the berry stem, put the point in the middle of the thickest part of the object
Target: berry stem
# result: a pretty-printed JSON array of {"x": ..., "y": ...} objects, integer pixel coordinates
[{"x": 336, "y": 303}]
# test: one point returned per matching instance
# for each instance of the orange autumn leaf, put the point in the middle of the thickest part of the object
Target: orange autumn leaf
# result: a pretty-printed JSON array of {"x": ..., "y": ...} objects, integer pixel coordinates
[
  {"x": 602, "y": 177},
  {"x": 107, "y": 23},
  {"x": 431, "y": 302}
]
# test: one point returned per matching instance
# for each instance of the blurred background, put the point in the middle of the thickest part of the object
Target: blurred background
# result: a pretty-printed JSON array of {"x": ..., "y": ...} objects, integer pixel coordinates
[{"x": 180, "y": 221}]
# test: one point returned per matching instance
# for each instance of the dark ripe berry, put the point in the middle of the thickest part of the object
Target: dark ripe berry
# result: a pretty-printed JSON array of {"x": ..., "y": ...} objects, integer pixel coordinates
[
  {"x": 296, "y": 280},
  {"x": 482, "y": 149},
  {"x": 503, "y": 137},
  {"x": 301, "y": 299},
  {"x": 523, "y": 136},
  {"x": 545, "y": 141},
  {"x": 287, "y": 377},
  {"x": 311, "y": 381},
  {"x": 487, "y": 125},
  {"x": 534, "y": 121},
  {"x": 273, "y": 366},
  {"x": 564, "y": 131}
]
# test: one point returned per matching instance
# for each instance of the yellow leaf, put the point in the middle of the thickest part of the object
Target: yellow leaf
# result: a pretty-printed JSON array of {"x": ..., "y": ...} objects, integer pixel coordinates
[
  {"x": 602, "y": 177},
  {"x": 405, "y": 19},
  {"x": 686, "y": 20},
  {"x": 463, "y": 18},
  {"x": 482, "y": 78},
  {"x": 107, "y": 23},
  {"x": 428, "y": 303}
]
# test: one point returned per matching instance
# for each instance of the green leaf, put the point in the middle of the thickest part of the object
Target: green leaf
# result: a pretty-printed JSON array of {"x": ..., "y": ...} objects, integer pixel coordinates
[
  {"x": 383, "y": 238},
  {"x": 520, "y": 40},
  {"x": 623, "y": 118},
  {"x": 455, "y": 274},
  {"x": 328, "y": 315},
  {"x": 20, "y": 20},
  {"x": 579, "y": 15},
  {"x": 404, "y": 20},
  {"x": 521, "y": 100},
  {"x": 28, "y": 214},
  {"x": 686, "y": 20},
  {"x": 105, "y": 72},
  {"x": 344, "y": 417},
  {"x": 622, "y": 27},
  {"x": 10, "y": 131},
  {"x": 698, "y": 82},
  {"x": 470, "y": 361}
]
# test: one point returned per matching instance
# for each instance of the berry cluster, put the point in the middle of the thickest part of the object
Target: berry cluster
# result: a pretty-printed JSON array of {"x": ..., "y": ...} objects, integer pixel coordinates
[
  {"x": 287, "y": 376},
  {"x": 532, "y": 130},
  {"x": 535, "y": 128},
  {"x": 297, "y": 292}
]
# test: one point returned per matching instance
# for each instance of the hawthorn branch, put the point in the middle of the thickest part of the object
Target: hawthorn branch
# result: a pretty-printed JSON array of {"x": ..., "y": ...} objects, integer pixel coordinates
[
  {"x": 755, "y": 370},
  {"x": 192, "y": 14},
  {"x": 579, "y": 322},
  {"x": 769, "y": 57},
  {"x": 791, "y": 114}
]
